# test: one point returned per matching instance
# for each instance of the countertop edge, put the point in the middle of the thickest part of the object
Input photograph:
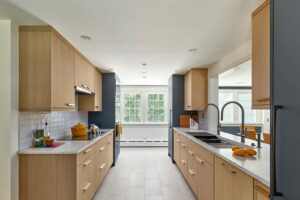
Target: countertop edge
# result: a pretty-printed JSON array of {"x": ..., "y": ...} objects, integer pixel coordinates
[
  {"x": 214, "y": 151},
  {"x": 53, "y": 151}
]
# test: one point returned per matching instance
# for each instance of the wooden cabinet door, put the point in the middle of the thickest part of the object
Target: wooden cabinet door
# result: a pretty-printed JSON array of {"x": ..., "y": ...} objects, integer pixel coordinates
[
  {"x": 85, "y": 180},
  {"x": 98, "y": 90},
  {"x": 184, "y": 156},
  {"x": 192, "y": 167},
  {"x": 177, "y": 146},
  {"x": 188, "y": 91},
  {"x": 90, "y": 71},
  {"x": 261, "y": 192},
  {"x": 205, "y": 179},
  {"x": 62, "y": 75},
  {"x": 80, "y": 71},
  {"x": 224, "y": 181},
  {"x": 110, "y": 147},
  {"x": 261, "y": 56},
  {"x": 196, "y": 89},
  {"x": 231, "y": 183}
]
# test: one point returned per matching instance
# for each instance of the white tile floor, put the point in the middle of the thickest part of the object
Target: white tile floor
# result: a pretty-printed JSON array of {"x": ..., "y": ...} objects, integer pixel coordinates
[{"x": 144, "y": 174}]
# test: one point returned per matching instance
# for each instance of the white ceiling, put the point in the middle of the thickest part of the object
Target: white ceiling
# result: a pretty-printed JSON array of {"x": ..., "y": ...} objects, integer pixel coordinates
[
  {"x": 127, "y": 33},
  {"x": 240, "y": 75}
]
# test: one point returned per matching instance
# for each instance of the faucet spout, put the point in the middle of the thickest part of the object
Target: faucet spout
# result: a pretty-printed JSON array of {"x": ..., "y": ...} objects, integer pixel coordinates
[
  {"x": 243, "y": 133},
  {"x": 204, "y": 110}
]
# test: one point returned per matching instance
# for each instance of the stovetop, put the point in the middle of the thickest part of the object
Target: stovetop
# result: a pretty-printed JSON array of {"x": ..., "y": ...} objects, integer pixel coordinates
[{"x": 81, "y": 138}]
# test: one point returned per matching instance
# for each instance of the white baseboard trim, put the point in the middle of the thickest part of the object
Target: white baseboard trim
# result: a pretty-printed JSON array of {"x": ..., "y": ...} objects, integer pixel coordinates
[{"x": 141, "y": 143}]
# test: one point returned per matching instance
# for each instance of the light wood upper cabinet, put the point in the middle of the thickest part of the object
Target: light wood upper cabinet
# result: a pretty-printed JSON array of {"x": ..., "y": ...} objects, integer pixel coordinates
[
  {"x": 231, "y": 183},
  {"x": 90, "y": 77},
  {"x": 46, "y": 80},
  {"x": 261, "y": 57},
  {"x": 80, "y": 71},
  {"x": 92, "y": 102},
  {"x": 98, "y": 90},
  {"x": 195, "y": 89},
  {"x": 261, "y": 192},
  {"x": 84, "y": 73},
  {"x": 62, "y": 74}
]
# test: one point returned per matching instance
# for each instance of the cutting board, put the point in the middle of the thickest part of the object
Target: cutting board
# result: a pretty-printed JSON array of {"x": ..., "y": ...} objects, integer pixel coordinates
[{"x": 185, "y": 120}]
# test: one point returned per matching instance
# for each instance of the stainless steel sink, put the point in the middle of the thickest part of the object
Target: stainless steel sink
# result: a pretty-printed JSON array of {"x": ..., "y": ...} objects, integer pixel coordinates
[{"x": 211, "y": 139}]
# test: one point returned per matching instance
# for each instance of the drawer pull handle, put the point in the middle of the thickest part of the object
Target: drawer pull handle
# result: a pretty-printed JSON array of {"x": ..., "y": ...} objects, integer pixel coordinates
[
  {"x": 183, "y": 145},
  {"x": 87, "y": 163},
  {"x": 87, "y": 151},
  {"x": 102, "y": 148},
  {"x": 191, "y": 172},
  {"x": 102, "y": 166},
  {"x": 84, "y": 86},
  {"x": 183, "y": 162},
  {"x": 178, "y": 141},
  {"x": 200, "y": 161},
  {"x": 70, "y": 104},
  {"x": 192, "y": 153},
  {"x": 263, "y": 99},
  {"x": 232, "y": 171},
  {"x": 87, "y": 187}
]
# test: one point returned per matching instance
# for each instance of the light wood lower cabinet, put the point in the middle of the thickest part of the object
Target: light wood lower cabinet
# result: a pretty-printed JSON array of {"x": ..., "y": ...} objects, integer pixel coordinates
[
  {"x": 261, "y": 192},
  {"x": 176, "y": 147},
  {"x": 231, "y": 183},
  {"x": 212, "y": 178},
  {"x": 184, "y": 156},
  {"x": 65, "y": 177},
  {"x": 192, "y": 176},
  {"x": 206, "y": 174}
]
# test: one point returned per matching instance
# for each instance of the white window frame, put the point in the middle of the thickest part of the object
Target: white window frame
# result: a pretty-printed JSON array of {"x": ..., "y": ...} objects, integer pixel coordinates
[{"x": 144, "y": 105}]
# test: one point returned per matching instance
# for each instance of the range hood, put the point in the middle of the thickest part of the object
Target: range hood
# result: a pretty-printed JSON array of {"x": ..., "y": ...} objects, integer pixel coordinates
[{"x": 80, "y": 90}]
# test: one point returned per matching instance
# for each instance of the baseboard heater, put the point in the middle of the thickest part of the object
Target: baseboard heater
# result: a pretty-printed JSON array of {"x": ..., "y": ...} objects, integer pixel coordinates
[{"x": 149, "y": 143}]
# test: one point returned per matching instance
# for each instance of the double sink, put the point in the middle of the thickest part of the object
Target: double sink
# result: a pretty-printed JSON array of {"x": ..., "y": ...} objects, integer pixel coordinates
[{"x": 211, "y": 139}]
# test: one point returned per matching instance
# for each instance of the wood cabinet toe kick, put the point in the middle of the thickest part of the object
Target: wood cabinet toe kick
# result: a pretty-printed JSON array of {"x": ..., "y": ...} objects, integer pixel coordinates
[{"x": 65, "y": 176}]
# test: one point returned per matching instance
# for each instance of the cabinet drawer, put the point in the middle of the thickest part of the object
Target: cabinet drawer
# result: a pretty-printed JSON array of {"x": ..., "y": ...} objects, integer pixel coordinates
[
  {"x": 192, "y": 166},
  {"x": 83, "y": 155},
  {"x": 176, "y": 147},
  {"x": 85, "y": 180},
  {"x": 101, "y": 151},
  {"x": 204, "y": 154},
  {"x": 184, "y": 156}
]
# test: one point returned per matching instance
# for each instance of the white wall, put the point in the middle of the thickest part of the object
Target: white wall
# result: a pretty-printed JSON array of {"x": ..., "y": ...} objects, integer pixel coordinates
[
  {"x": 10, "y": 19},
  {"x": 5, "y": 109},
  {"x": 232, "y": 59},
  {"x": 144, "y": 132}
]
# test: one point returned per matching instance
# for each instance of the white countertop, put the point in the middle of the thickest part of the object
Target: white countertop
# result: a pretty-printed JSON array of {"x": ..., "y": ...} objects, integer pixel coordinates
[
  {"x": 69, "y": 147},
  {"x": 257, "y": 166}
]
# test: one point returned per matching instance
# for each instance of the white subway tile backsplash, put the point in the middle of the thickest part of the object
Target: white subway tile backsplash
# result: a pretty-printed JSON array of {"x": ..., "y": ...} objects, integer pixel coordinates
[{"x": 59, "y": 123}]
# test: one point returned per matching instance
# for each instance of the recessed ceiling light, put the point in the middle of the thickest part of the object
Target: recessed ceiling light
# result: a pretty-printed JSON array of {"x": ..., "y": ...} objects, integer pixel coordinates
[
  {"x": 144, "y": 77},
  {"x": 193, "y": 50},
  {"x": 85, "y": 37},
  {"x": 144, "y": 64}
]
